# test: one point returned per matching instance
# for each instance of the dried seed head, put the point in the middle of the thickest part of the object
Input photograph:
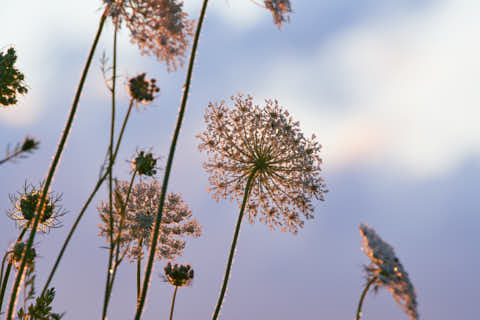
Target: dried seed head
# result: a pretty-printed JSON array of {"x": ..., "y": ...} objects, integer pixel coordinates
[
  {"x": 142, "y": 90},
  {"x": 17, "y": 254}
]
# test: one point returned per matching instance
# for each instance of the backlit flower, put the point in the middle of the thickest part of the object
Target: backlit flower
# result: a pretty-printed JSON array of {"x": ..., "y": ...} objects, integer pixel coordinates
[
  {"x": 266, "y": 142},
  {"x": 158, "y": 27},
  {"x": 388, "y": 271},
  {"x": 11, "y": 79},
  {"x": 139, "y": 220}
]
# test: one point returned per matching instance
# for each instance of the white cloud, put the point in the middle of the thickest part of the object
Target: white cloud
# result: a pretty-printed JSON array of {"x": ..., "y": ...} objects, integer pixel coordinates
[{"x": 407, "y": 90}]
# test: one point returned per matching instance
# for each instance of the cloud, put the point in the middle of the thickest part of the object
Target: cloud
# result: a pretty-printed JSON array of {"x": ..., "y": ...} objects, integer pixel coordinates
[{"x": 402, "y": 91}]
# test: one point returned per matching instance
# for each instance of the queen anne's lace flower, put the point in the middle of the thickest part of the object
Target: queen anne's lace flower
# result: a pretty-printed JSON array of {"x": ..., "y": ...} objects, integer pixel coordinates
[
  {"x": 25, "y": 205},
  {"x": 280, "y": 10},
  {"x": 158, "y": 27},
  {"x": 268, "y": 142},
  {"x": 179, "y": 275},
  {"x": 140, "y": 217},
  {"x": 388, "y": 271}
]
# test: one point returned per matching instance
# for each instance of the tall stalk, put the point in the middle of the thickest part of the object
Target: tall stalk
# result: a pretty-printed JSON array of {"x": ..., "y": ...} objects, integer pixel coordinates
[
  {"x": 53, "y": 166},
  {"x": 87, "y": 203},
  {"x": 168, "y": 168},
  {"x": 234, "y": 244},
  {"x": 362, "y": 297},
  {"x": 110, "y": 174}
]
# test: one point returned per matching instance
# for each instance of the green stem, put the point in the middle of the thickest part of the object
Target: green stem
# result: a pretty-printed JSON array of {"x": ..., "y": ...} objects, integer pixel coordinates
[
  {"x": 173, "y": 302},
  {"x": 234, "y": 244},
  {"x": 9, "y": 268},
  {"x": 158, "y": 220},
  {"x": 110, "y": 180},
  {"x": 116, "y": 248},
  {"x": 85, "y": 206},
  {"x": 53, "y": 167},
  {"x": 362, "y": 297},
  {"x": 139, "y": 271}
]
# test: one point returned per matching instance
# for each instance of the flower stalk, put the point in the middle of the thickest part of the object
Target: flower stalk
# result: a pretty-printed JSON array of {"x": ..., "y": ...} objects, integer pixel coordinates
[
  {"x": 148, "y": 270},
  {"x": 362, "y": 297}
]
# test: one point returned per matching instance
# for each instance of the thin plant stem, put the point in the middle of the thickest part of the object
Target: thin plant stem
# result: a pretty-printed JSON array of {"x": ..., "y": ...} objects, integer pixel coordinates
[
  {"x": 362, "y": 297},
  {"x": 3, "y": 266},
  {"x": 139, "y": 270},
  {"x": 4, "y": 282},
  {"x": 87, "y": 203},
  {"x": 234, "y": 244},
  {"x": 168, "y": 168},
  {"x": 116, "y": 247},
  {"x": 173, "y": 302},
  {"x": 53, "y": 166},
  {"x": 110, "y": 174}
]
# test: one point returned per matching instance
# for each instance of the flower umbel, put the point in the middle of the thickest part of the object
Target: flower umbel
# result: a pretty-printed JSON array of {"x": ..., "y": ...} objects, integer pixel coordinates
[
  {"x": 11, "y": 80},
  {"x": 25, "y": 204},
  {"x": 142, "y": 90},
  {"x": 388, "y": 271},
  {"x": 17, "y": 252},
  {"x": 266, "y": 142},
  {"x": 139, "y": 218},
  {"x": 158, "y": 27},
  {"x": 280, "y": 10},
  {"x": 145, "y": 164},
  {"x": 179, "y": 275}
]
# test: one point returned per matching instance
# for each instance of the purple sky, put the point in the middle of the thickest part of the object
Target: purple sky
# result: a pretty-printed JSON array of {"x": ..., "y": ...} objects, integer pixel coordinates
[{"x": 391, "y": 90}]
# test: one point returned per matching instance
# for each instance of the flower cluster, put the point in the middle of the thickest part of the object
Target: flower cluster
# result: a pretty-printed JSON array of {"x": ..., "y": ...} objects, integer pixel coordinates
[
  {"x": 145, "y": 164},
  {"x": 142, "y": 90},
  {"x": 25, "y": 205},
  {"x": 179, "y": 275},
  {"x": 388, "y": 271},
  {"x": 139, "y": 219},
  {"x": 280, "y": 9},
  {"x": 266, "y": 143},
  {"x": 11, "y": 80},
  {"x": 158, "y": 27}
]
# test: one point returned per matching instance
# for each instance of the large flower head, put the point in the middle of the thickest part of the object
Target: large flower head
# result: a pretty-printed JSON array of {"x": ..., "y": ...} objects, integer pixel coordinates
[
  {"x": 264, "y": 141},
  {"x": 11, "y": 79},
  {"x": 158, "y": 27},
  {"x": 388, "y": 270},
  {"x": 139, "y": 220},
  {"x": 25, "y": 205}
]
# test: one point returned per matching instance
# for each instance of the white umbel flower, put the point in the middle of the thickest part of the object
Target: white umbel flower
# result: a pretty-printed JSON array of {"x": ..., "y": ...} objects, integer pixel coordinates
[
  {"x": 388, "y": 271},
  {"x": 264, "y": 141}
]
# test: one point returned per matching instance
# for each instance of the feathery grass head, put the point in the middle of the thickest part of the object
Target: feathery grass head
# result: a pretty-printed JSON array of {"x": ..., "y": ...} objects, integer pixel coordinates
[
  {"x": 179, "y": 275},
  {"x": 11, "y": 79},
  {"x": 266, "y": 142},
  {"x": 140, "y": 213},
  {"x": 388, "y": 271},
  {"x": 25, "y": 205},
  {"x": 158, "y": 27}
]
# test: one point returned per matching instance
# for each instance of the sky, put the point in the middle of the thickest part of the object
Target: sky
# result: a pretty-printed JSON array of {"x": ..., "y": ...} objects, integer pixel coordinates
[{"x": 388, "y": 87}]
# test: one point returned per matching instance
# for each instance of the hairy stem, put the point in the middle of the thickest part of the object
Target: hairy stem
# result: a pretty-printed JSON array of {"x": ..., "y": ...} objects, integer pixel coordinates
[
  {"x": 173, "y": 302},
  {"x": 234, "y": 244},
  {"x": 158, "y": 220},
  {"x": 362, "y": 297},
  {"x": 85, "y": 206}
]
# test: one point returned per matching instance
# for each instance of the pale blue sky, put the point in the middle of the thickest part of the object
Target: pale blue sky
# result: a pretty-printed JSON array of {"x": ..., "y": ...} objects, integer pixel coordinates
[{"x": 391, "y": 90}]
